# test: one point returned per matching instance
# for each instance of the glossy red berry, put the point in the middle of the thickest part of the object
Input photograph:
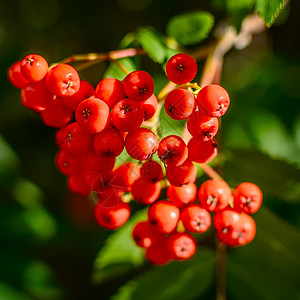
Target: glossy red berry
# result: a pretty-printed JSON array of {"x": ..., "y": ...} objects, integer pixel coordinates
[
  {"x": 127, "y": 115},
  {"x": 141, "y": 144},
  {"x": 183, "y": 174},
  {"x": 110, "y": 90},
  {"x": 130, "y": 172},
  {"x": 202, "y": 151},
  {"x": 181, "y": 68},
  {"x": 63, "y": 80},
  {"x": 144, "y": 192},
  {"x": 172, "y": 150},
  {"x": 195, "y": 218},
  {"x": 179, "y": 104},
  {"x": 78, "y": 185},
  {"x": 100, "y": 163},
  {"x": 247, "y": 197},
  {"x": 66, "y": 162},
  {"x": 180, "y": 196},
  {"x": 149, "y": 106},
  {"x": 85, "y": 91},
  {"x": 34, "y": 67},
  {"x": 151, "y": 172},
  {"x": 181, "y": 245},
  {"x": 214, "y": 194},
  {"x": 164, "y": 216},
  {"x": 138, "y": 85},
  {"x": 158, "y": 254},
  {"x": 15, "y": 75},
  {"x": 214, "y": 100}
]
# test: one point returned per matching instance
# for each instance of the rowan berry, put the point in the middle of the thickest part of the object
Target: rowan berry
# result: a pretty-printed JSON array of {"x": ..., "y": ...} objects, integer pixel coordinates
[
  {"x": 181, "y": 68},
  {"x": 130, "y": 172},
  {"x": 180, "y": 196},
  {"x": 66, "y": 162},
  {"x": 151, "y": 172},
  {"x": 149, "y": 106},
  {"x": 158, "y": 253},
  {"x": 34, "y": 67},
  {"x": 138, "y": 85},
  {"x": 63, "y": 80},
  {"x": 78, "y": 185},
  {"x": 144, "y": 192},
  {"x": 202, "y": 151},
  {"x": 141, "y": 144},
  {"x": 179, "y": 104},
  {"x": 15, "y": 75},
  {"x": 100, "y": 163}
]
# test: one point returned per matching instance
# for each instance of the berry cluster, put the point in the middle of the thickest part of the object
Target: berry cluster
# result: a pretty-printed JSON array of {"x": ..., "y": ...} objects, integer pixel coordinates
[{"x": 111, "y": 118}]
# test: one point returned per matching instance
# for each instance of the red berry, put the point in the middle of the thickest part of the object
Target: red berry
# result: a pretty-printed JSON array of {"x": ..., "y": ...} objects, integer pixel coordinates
[
  {"x": 36, "y": 96},
  {"x": 34, "y": 67},
  {"x": 158, "y": 254},
  {"x": 127, "y": 115},
  {"x": 110, "y": 90},
  {"x": 141, "y": 144},
  {"x": 144, "y": 192},
  {"x": 202, "y": 151},
  {"x": 149, "y": 106},
  {"x": 181, "y": 245},
  {"x": 179, "y": 104},
  {"x": 164, "y": 216},
  {"x": 66, "y": 162},
  {"x": 183, "y": 174},
  {"x": 112, "y": 217},
  {"x": 181, "y": 68},
  {"x": 59, "y": 137},
  {"x": 138, "y": 85},
  {"x": 85, "y": 91},
  {"x": 214, "y": 100},
  {"x": 63, "y": 80},
  {"x": 151, "y": 172},
  {"x": 246, "y": 230},
  {"x": 202, "y": 126},
  {"x": 56, "y": 114},
  {"x": 214, "y": 194},
  {"x": 130, "y": 172},
  {"x": 146, "y": 235},
  {"x": 172, "y": 150},
  {"x": 195, "y": 218},
  {"x": 15, "y": 75},
  {"x": 108, "y": 142},
  {"x": 182, "y": 195},
  {"x": 247, "y": 197},
  {"x": 100, "y": 163},
  {"x": 92, "y": 115},
  {"x": 78, "y": 185}
]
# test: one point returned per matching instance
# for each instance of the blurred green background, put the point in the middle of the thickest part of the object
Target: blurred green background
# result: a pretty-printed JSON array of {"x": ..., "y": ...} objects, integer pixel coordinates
[{"x": 49, "y": 240}]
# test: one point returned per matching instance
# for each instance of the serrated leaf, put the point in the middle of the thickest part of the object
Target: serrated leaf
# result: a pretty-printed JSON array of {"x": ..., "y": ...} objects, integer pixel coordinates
[
  {"x": 175, "y": 281},
  {"x": 190, "y": 28},
  {"x": 114, "y": 71},
  {"x": 276, "y": 178},
  {"x": 152, "y": 43},
  {"x": 269, "y": 10},
  {"x": 119, "y": 254}
]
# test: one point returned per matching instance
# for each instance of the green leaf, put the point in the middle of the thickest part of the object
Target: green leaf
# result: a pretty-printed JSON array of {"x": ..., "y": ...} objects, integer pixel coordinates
[
  {"x": 190, "y": 28},
  {"x": 268, "y": 267},
  {"x": 114, "y": 71},
  {"x": 175, "y": 281},
  {"x": 276, "y": 178},
  {"x": 7, "y": 292},
  {"x": 269, "y": 10},
  {"x": 119, "y": 254},
  {"x": 152, "y": 43}
]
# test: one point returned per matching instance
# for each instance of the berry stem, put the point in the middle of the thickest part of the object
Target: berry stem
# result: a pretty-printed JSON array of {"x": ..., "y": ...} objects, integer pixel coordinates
[
  {"x": 210, "y": 172},
  {"x": 221, "y": 270},
  {"x": 121, "y": 67}
]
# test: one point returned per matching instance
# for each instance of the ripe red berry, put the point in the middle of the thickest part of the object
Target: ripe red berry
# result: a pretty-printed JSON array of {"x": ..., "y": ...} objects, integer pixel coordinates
[
  {"x": 146, "y": 235},
  {"x": 109, "y": 143},
  {"x": 158, "y": 254},
  {"x": 34, "y": 67},
  {"x": 78, "y": 185},
  {"x": 130, "y": 172},
  {"x": 172, "y": 150},
  {"x": 138, "y": 85},
  {"x": 180, "y": 196},
  {"x": 127, "y": 115},
  {"x": 100, "y": 163},
  {"x": 181, "y": 245},
  {"x": 214, "y": 100},
  {"x": 245, "y": 231},
  {"x": 63, "y": 80},
  {"x": 85, "y": 91},
  {"x": 149, "y": 106},
  {"x": 112, "y": 217},
  {"x": 144, "y": 192},
  {"x": 66, "y": 162},
  {"x": 36, "y": 96},
  {"x": 56, "y": 114},
  {"x": 181, "y": 68},
  {"x": 164, "y": 216},
  {"x": 247, "y": 197},
  {"x": 195, "y": 218},
  {"x": 179, "y": 104},
  {"x": 15, "y": 75},
  {"x": 202, "y": 126},
  {"x": 202, "y": 151},
  {"x": 151, "y": 172},
  {"x": 110, "y": 90},
  {"x": 141, "y": 144},
  {"x": 183, "y": 174},
  {"x": 214, "y": 194}
]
